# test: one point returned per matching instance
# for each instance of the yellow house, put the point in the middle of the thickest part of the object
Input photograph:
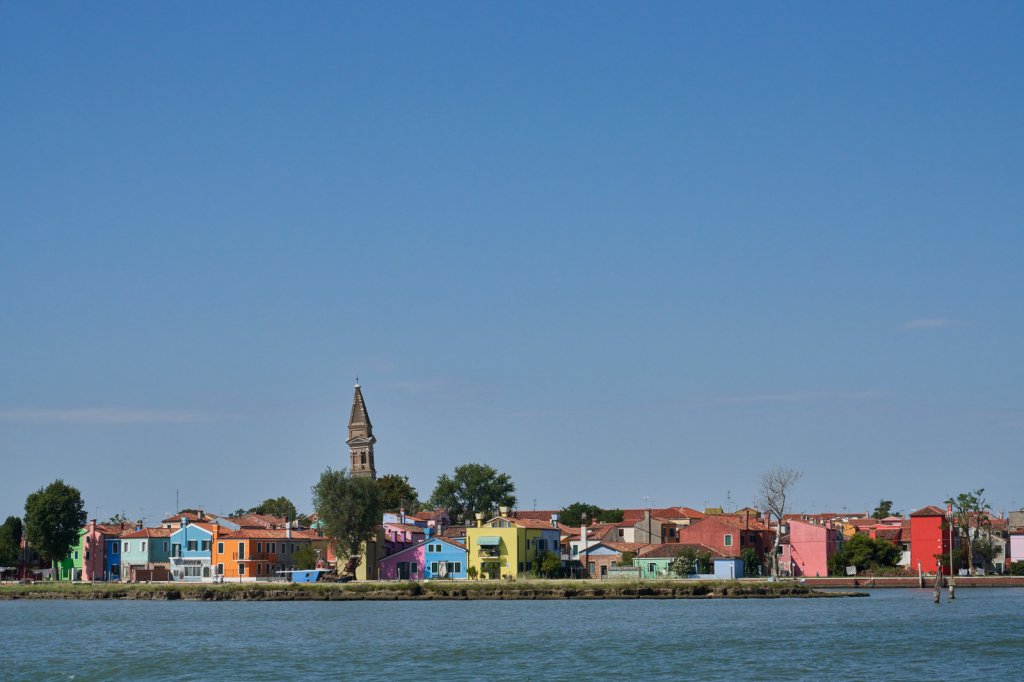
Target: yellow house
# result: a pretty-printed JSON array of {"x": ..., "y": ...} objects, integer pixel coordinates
[{"x": 506, "y": 546}]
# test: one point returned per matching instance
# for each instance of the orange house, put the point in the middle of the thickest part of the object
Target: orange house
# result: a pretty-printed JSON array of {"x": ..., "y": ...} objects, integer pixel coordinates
[{"x": 256, "y": 553}]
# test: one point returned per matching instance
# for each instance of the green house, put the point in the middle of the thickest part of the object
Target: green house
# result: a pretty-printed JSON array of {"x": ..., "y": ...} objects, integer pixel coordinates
[{"x": 70, "y": 567}]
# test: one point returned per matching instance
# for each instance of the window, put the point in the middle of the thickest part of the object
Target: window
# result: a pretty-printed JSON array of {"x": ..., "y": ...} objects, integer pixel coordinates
[
  {"x": 115, "y": 547},
  {"x": 76, "y": 554},
  {"x": 220, "y": 548},
  {"x": 86, "y": 555},
  {"x": 193, "y": 545},
  {"x": 622, "y": 532},
  {"x": 165, "y": 545},
  {"x": 143, "y": 546},
  {"x": 126, "y": 546},
  {"x": 259, "y": 547},
  {"x": 652, "y": 568},
  {"x": 273, "y": 548},
  {"x": 412, "y": 568},
  {"x": 220, "y": 569},
  {"x": 206, "y": 545},
  {"x": 241, "y": 550},
  {"x": 259, "y": 569},
  {"x": 575, "y": 550},
  {"x": 176, "y": 549},
  {"x": 728, "y": 540},
  {"x": 433, "y": 568},
  {"x": 241, "y": 568}
]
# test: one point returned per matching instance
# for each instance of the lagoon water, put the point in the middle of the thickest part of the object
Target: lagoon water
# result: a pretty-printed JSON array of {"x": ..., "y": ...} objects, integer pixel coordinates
[{"x": 894, "y": 634}]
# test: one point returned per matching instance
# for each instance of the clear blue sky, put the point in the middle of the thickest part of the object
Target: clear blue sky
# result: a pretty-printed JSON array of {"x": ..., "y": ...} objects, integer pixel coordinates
[{"x": 616, "y": 251}]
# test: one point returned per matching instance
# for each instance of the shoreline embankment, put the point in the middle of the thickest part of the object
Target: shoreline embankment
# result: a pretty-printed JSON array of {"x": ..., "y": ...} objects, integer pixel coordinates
[
  {"x": 422, "y": 591},
  {"x": 914, "y": 581}
]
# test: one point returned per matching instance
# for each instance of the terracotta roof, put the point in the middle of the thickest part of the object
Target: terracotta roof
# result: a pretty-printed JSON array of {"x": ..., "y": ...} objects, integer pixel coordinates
[
  {"x": 541, "y": 514},
  {"x": 892, "y": 534},
  {"x": 149, "y": 533},
  {"x": 532, "y": 523},
  {"x": 259, "y": 521},
  {"x": 626, "y": 546},
  {"x": 672, "y": 550},
  {"x": 269, "y": 534},
  {"x": 930, "y": 510},
  {"x": 634, "y": 515},
  {"x": 406, "y": 527}
]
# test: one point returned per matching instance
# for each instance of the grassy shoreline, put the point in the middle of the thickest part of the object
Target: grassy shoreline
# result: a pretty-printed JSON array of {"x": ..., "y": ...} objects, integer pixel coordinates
[{"x": 421, "y": 591}]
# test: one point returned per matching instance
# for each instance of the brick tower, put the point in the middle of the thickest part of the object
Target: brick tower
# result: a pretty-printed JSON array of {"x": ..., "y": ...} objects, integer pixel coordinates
[{"x": 360, "y": 439}]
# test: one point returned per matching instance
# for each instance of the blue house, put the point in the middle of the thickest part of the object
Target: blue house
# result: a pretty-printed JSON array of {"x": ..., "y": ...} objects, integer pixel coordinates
[
  {"x": 444, "y": 558},
  {"x": 191, "y": 552},
  {"x": 112, "y": 557}
]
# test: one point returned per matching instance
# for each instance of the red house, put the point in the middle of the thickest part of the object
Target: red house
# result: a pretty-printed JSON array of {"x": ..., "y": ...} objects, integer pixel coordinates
[{"x": 929, "y": 537}]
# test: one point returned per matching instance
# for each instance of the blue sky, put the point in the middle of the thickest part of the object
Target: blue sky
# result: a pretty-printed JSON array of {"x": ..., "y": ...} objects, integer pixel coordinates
[{"x": 615, "y": 251}]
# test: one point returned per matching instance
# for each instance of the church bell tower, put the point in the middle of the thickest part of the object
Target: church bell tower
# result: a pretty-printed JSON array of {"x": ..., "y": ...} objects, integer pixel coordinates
[{"x": 360, "y": 439}]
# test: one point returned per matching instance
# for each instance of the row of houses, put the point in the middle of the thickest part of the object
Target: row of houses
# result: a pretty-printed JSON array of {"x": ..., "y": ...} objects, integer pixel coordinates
[{"x": 192, "y": 546}]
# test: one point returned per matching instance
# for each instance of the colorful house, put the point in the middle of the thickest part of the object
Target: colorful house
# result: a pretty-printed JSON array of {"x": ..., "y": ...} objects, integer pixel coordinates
[
  {"x": 101, "y": 558},
  {"x": 808, "y": 547},
  {"x": 144, "y": 549},
  {"x": 929, "y": 533},
  {"x": 655, "y": 561},
  {"x": 70, "y": 567},
  {"x": 191, "y": 551},
  {"x": 506, "y": 546},
  {"x": 594, "y": 559},
  {"x": 435, "y": 557},
  {"x": 250, "y": 554}
]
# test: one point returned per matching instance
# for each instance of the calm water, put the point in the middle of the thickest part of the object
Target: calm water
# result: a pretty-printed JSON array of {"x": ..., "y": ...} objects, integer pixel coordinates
[{"x": 892, "y": 635}]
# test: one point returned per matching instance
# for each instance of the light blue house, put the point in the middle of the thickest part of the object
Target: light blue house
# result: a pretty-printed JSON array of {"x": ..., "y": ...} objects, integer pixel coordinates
[
  {"x": 191, "y": 552},
  {"x": 728, "y": 568},
  {"x": 146, "y": 549},
  {"x": 444, "y": 558}
]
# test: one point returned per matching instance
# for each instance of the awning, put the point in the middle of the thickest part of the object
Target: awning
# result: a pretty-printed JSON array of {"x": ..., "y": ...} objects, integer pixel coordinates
[{"x": 488, "y": 541}]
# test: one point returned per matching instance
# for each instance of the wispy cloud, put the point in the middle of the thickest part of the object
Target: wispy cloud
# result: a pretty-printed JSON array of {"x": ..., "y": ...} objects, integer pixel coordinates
[
  {"x": 932, "y": 323},
  {"x": 101, "y": 415}
]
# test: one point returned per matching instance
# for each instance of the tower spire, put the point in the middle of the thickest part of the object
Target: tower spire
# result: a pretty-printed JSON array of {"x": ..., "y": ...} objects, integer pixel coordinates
[{"x": 360, "y": 438}]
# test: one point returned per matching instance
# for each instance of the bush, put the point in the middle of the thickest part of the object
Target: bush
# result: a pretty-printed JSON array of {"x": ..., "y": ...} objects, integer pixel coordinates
[{"x": 1017, "y": 568}]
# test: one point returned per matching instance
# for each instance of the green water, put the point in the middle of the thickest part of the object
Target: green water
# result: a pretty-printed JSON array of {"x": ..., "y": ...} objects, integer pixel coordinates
[{"x": 891, "y": 635}]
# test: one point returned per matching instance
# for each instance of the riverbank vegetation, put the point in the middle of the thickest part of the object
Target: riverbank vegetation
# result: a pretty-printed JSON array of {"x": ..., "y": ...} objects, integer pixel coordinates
[{"x": 536, "y": 589}]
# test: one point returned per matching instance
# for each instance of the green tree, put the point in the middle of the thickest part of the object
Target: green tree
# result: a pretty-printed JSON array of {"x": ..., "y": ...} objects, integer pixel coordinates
[
  {"x": 349, "y": 510},
  {"x": 883, "y": 509},
  {"x": 1017, "y": 568},
  {"x": 610, "y": 516},
  {"x": 864, "y": 553},
  {"x": 970, "y": 511},
  {"x": 473, "y": 488},
  {"x": 751, "y": 561},
  {"x": 304, "y": 558},
  {"x": 472, "y": 572},
  {"x": 117, "y": 519},
  {"x": 626, "y": 558},
  {"x": 690, "y": 560},
  {"x": 396, "y": 493},
  {"x": 53, "y": 517},
  {"x": 10, "y": 541},
  {"x": 279, "y": 506},
  {"x": 573, "y": 514}
]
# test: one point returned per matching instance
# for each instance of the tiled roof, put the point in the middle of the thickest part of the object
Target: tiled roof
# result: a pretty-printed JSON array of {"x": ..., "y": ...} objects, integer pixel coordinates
[
  {"x": 259, "y": 521},
  {"x": 672, "y": 550},
  {"x": 148, "y": 533},
  {"x": 269, "y": 534},
  {"x": 626, "y": 546},
  {"x": 930, "y": 510},
  {"x": 408, "y": 527},
  {"x": 188, "y": 514}
]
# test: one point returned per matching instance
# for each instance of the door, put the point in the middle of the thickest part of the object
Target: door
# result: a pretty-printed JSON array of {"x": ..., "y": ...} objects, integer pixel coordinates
[{"x": 403, "y": 570}]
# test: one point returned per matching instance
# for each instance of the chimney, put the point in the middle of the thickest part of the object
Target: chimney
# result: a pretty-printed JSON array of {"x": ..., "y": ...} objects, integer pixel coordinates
[
  {"x": 503, "y": 510},
  {"x": 554, "y": 520},
  {"x": 401, "y": 515},
  {"x": 184, "y": 521},
  {"x": 479, "y": 519},
  {"x": 746, "y": 520},
  {"x": 92, "y": 526},
  {"x": 428, "y": 533},
  {"x": 288, "y": 531}
]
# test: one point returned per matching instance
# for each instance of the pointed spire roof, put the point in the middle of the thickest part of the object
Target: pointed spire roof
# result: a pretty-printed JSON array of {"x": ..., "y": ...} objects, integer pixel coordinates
[{"x": 359, "y": 419}]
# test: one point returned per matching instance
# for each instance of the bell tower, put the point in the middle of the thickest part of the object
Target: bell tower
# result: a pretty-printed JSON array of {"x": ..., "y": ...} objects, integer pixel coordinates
[{"x": 360, "y": 439}]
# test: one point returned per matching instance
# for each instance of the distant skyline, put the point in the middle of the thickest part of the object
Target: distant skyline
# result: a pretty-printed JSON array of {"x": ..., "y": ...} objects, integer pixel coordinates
[{"x": 618, "y": 252}]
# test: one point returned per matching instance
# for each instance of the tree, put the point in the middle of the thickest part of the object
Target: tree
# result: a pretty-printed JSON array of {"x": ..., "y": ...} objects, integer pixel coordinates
[
  {"x": 864, "y": 553},
  {"x": 751, "y": 561},
  {"x": 573, "y": 514},
  {"x": 883, "y": 509},
  {"x": 774, "y": 489},
  {"x": 53, "y": 517},
  {"x": 280, "y": 506},
  {"x": 626, "y": 558},
  {"x": 970, "y": 510},
  {"x": 1017, "y": 568},
  {"x": 690, "y": 560},
  {"x": 397, "y": 493},
  {"x": 547, "y": 565},
  {"x": 473, "y": 488},
  {"x": 349, "y": 510},
  {"x": 610, "y": 516},
  {"x": 117, "y": 519},
  {"x": 472, "y": 572},
  {"x": 304, "y": 558},
  {"x": 10, "y": 541}
]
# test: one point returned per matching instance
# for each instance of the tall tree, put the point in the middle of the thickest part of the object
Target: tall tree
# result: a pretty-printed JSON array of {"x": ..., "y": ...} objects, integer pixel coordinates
[
  {"x": 970, "y": 511},
  {"x": 883, "y": 509},
  {"x": 473, "y": 488},
  {"x": 53, "y": 517},
  {"x": 10, "y": 541},
  {"x": 573, "y": 514},
  {"x": 775, "y": 488},
  {"x": 397, "y": 493},
  {"x": 349, "y": 510},
  {"x": 276, "y": 506}
]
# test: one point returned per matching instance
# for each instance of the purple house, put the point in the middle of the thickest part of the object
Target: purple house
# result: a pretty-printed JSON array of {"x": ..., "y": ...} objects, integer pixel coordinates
[{"x": 435, "y": 557}]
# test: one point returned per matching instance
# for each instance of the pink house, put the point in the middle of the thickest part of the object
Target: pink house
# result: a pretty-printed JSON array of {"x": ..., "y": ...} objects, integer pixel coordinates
[
  {"x": 808, "y": 547},
  {"x": 406, "y": 564}
]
